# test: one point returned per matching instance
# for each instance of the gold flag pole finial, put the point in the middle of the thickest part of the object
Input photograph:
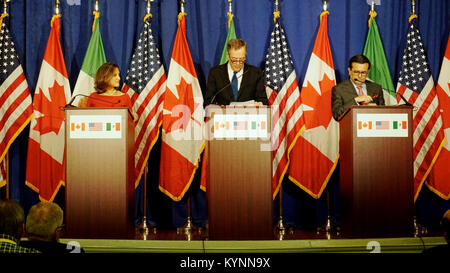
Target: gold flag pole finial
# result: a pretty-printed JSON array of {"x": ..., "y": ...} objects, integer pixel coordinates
[
  {"x": 149, "y": 14},
  {"x": 413, "y": 13},
  {"x": 57, "y": 7},
  {"x": 5, "y": 12},
  {"x": 276, "y": 13},
  {"x": 372, "y": 12},
  {"x": 57, "y": 13},
  {"x": 230, "y": 12},
  {"x": 325, "y": 9},
  {"x": 182, "y": 6},
  {"x": 5, "y": 6},
  {"x": 182, "y": 13}
]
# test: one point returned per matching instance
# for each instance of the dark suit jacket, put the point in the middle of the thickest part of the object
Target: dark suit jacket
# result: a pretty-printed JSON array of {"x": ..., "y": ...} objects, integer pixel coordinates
[
  {"x": 343, "y": 96},
  {"x": 252, "y": 86}
]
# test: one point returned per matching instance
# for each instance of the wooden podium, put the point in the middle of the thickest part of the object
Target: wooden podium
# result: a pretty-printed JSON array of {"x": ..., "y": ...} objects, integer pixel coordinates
[
  {"x": 239, "y": 191},
  {"x": 376, "y": 171},
  {"x": 99, "y": 173}
]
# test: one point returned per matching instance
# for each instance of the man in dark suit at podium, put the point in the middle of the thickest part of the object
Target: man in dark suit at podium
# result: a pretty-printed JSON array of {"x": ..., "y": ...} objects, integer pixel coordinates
[
  {"x": 356, "y": 90},
  {"x": 235, "y": 81}
]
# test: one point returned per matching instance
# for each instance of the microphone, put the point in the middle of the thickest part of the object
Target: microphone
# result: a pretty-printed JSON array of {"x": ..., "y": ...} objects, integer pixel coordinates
[
  {"x": 73, "y": 98},
  {"x": 227, "y": 85},
  {"x": 404, "y": 100}
]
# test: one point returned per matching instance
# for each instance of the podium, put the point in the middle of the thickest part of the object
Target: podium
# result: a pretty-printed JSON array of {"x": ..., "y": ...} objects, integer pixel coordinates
[
  {"x": 99, "y": 173},
  {"x": 239, "y": 191},
  {"x": 376, "y": 171}
]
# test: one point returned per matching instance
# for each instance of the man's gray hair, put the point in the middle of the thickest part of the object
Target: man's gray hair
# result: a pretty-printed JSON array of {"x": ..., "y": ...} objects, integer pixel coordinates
[{"x": 43, "y": 219}]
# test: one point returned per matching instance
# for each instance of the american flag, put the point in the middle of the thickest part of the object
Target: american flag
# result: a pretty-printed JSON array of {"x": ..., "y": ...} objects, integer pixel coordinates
[
  {"x": 284, "y": 98},
  {"x": 145, "y": 83},
  {"x": 416, "y": 85},
  {"x": 95, "y": 126},
  {"x": 16, "y": 107}
]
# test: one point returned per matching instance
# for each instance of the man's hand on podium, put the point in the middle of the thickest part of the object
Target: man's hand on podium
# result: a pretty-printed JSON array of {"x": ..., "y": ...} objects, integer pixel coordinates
[{"x": 363, "y": 100}]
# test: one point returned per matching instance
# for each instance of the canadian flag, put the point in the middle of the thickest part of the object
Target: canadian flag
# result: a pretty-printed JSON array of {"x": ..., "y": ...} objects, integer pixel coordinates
[
  {"x": 315, "y": 155},
  {"x": 182, "y": 124},
  {"x": 439, "y": 181},
  {"x": 46, "y": 158}
]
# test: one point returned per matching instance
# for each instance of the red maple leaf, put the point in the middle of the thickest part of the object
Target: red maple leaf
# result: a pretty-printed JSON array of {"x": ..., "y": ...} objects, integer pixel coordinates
[
  {"x": 52, "y": 113},
  {"x": 321, "y": 104},
  {"x": 180, "y": 109}
]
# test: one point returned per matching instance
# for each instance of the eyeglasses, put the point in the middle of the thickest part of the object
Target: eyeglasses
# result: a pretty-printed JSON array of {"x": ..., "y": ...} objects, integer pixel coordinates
[
  {"x": 362, "y": 73},
  {"x": 237, "y": 60}
]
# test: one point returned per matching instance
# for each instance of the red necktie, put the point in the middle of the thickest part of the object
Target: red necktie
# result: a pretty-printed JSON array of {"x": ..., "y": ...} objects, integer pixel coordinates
[{"x": 360, "y": 93}]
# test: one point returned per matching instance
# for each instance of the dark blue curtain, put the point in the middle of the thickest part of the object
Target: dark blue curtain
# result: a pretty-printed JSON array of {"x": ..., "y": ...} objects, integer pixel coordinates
[{"x": 121, "y": 21}]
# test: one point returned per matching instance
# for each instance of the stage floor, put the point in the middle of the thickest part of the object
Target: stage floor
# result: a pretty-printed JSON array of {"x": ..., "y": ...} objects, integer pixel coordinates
[{"x": 291, "y": 241}]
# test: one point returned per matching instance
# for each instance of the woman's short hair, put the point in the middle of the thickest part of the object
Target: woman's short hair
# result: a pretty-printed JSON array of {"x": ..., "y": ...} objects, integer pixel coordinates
[{"x": 103, "y": 76}]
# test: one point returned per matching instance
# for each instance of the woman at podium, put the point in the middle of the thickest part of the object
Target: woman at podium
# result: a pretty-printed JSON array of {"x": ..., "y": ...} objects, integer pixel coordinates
[{"x": 107, "y": 94}]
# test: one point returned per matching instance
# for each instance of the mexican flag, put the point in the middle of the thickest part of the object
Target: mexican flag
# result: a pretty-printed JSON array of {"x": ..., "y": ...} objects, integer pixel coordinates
[
  {"x": 379, "y": 69},
  {"x": 94, "y": 58}
]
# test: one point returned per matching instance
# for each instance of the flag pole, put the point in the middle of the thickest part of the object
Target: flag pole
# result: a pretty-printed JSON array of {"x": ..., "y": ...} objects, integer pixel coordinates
[
  {"x": 280, "y": 226},
  {"x": 6, "y": 158},
  {"x": 189, "y": 226},
  {"x": 418, "y": 229}
]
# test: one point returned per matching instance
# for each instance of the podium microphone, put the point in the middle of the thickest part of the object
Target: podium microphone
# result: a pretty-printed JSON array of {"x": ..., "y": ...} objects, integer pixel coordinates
[
  {"x": 73, "y": 98},
  {"x": 223, "y": 88},
  {"x": 404, "y": 100}
]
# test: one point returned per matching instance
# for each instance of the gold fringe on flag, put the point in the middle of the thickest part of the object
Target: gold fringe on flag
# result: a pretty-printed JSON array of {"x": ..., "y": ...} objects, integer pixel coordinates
[
  {"x": 1, "y": 19},
  {"x": 96, "y": 16},
  {"x": 230, "y": 18},
  {"x": 372, "y": 15},
  {"x": 413, "y": 16},
  {"x": 276, "y": 15},
  {"x": 323, "y": 14},
  {"x": 149, "y": 15},
  {"x": 54, "y": 18},
  {"x": 180, "y": 16}
]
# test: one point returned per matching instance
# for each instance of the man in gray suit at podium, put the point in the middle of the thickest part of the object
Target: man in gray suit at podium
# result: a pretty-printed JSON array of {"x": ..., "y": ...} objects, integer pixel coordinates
[{"x": 356, "y": 90}]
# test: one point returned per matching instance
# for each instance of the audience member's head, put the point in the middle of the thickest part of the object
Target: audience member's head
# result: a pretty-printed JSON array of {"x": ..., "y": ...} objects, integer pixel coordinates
[
  {"x": 44, "y": 221},
  {"x": 445, "y": 222},
  {"x": 11, "y": 219}
]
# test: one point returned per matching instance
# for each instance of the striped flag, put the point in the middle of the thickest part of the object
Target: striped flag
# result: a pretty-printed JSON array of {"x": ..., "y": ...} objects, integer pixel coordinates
[
  {"x": 145, "y": 83},
  {"x": 316, "y": 153},
  {"x": 439, "y": 181},
  {"x": 231, "y": 35},
  {"x": 183, "y": 114},
  {"x": 284, "y": 98},
  {"x": 16, "y": 108},
  {"x": 379, "y": 69},
  {"x": 416, "y": 85},
  {"x": 46, "y": 156},
  {"x": 93, "y": 59}
]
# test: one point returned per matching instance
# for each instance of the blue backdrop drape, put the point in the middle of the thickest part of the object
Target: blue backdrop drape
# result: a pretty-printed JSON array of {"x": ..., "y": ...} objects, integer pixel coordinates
[{"x": 121, "y": 21}]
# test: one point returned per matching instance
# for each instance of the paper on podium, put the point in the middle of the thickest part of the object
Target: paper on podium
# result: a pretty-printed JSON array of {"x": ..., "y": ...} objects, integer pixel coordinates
[{"x": 242, "y": 103}]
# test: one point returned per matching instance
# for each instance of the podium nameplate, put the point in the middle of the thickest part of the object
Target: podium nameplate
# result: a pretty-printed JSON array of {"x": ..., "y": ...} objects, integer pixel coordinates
[
  {"x": 240, "y": 126},
  {"x": 95, "y": 126},
  {"x": 382, "y": 125}
]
